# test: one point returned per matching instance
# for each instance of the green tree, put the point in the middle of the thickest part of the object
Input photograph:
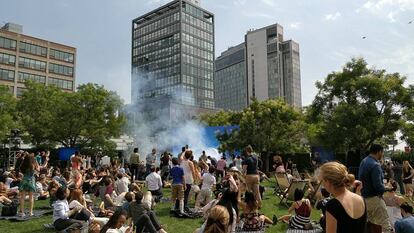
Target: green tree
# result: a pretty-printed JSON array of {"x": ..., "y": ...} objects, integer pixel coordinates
[
  {"x": 7, "y": 112},
  {"x": 356, "y": 107},
  {"x": 269, "y": 126},
  {"x": 87, "y": 118}
]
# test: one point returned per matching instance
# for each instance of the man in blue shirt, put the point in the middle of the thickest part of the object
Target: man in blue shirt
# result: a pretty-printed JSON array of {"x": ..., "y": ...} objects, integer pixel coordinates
[
  {"x": 372, "y": 176},
  {"x": 406, "y": 224},
  {"x": 178, "y": 185}
]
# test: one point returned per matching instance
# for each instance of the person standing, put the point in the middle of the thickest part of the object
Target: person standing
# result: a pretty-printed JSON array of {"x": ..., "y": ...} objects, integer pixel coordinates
[
  {"x": 250, "y": 170},
  {"x": 407, "y": 178},
  {"x": 154, "y": 184},
  {"x": 406, "y": 224},
  {"x": 189, "y": 174},
  {"x": 346, "y": 212},
  {"x": 203, "y": 156},
  {"x": 221, "y": 166},
  {"x": 372, "y": 176},
  {"x": 76, "y": 161},
  {"x": 150, "y": 160},
  {"x": 165, "y": 166},
  {"x": 177, "y": 186},
  {"x": 28, "y": 184},
  {"x": 134, "y": 161}
]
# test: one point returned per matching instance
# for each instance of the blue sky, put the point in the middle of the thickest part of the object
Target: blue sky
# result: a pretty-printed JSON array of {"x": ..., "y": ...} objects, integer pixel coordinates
[{"x": 329, "y": 32}]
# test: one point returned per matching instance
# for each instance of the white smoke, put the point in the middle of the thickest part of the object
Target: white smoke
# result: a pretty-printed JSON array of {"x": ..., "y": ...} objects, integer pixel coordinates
[{"x": 159, "y": 132}]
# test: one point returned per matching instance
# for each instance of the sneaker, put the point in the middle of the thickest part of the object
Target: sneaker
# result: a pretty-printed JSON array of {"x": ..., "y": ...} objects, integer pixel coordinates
[{"x": 22, "y": 215}]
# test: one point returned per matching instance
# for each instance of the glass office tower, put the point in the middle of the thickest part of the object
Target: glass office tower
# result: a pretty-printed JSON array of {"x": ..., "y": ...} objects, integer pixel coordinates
[{"x": 173, "y": 60}]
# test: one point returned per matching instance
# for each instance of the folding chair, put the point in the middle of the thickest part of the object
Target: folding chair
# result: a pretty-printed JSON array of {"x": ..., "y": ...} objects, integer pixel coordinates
[
  {"x": 290, "y": 193},
  {"x": 313, "y": 195},
  {"x": 282, "y": 183}
]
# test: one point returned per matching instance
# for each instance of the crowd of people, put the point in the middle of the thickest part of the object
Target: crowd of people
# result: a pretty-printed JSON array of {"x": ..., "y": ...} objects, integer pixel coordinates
[{"x": 122, "y": 196}]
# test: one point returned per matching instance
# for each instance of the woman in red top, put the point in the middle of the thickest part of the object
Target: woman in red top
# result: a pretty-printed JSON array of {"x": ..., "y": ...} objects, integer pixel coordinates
[{"x": 302, "y": 208}]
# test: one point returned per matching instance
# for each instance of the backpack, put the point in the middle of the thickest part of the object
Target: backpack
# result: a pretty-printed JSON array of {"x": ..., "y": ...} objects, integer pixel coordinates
[{"x": 10, "y": 209}]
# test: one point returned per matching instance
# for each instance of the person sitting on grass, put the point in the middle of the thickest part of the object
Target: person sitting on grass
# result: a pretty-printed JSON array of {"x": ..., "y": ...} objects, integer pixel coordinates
[
  {"x": 142, "y": 216},
  {"x": 253, "y": 221},
  {"x": 321, "y": 205},
  {"x": 116, "y": 223},
  {"x": 217, "y": 222},
  {"x": 42, "y": 187},
  {"x": 129, "y": 197},
  {"x": 209, "y": 181},
  {"x": 406, "y": 224},
  {"x": 63, "y": 217},
  {"x": 302, "y": 208},
  {"x": 4, "y": 199}
]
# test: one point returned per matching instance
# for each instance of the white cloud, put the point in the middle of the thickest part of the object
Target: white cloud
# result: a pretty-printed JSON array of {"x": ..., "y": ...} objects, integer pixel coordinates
[
  {"x": 295, "y": 25},
  {"x": 256, "y": 15},
  {"x": 388, "y": 9},
  {"x": 269, "y": 2},
  {"x": 332, "y": 17},
  {"x": 390, "y": 16}
]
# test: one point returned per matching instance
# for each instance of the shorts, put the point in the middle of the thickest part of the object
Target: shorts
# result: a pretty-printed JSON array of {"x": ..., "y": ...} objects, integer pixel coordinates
[
  {"x": 177, "y": 191},
  {"x": 377, "y": 213}
]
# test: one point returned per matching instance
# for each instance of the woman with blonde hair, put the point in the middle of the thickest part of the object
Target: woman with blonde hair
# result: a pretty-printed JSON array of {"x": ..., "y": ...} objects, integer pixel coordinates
[
  {"x": 346, "y": 212},
  {"x": 217, "y": 221},
  {"x": 408, "y": 174}
]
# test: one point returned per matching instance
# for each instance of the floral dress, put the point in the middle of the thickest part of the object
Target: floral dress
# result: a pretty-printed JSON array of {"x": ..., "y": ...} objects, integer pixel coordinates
[{"x": 28, "y": 183}]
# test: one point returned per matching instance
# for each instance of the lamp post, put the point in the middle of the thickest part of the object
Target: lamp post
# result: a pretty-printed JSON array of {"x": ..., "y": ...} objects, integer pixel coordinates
[{"x": 14, "y": 145}]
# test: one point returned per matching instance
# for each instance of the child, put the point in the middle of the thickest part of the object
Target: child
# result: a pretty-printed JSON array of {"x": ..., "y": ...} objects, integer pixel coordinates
[
  {"x": 209, "y": 181},
  {"x": 321, "y": 205},
  {"x": 177, "y": 187}
]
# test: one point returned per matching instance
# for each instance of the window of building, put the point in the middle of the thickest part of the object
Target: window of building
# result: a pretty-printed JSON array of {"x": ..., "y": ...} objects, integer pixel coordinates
[
  {"x": 60, "y": 69},
  {"x": 20, "y": 91},
  {"x": 60, "y": 83},
  {"x": 32, "y": 49},
  {"x": 61, "y": 56},
  {"x": 7, "y": 75},
  {"x": 32, "y": 64},
  {"x": 23, "y": 77},
  {"x": 7, "y": 59},
  {"x": 7, "y": 43}
]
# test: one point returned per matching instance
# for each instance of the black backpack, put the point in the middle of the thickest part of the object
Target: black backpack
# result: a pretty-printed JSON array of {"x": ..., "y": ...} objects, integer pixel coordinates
[{"x": 10, "y": 209}]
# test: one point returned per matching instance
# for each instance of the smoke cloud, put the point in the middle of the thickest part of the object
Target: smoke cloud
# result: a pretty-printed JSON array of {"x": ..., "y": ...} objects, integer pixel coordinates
[{"x": 168, "y": 128}]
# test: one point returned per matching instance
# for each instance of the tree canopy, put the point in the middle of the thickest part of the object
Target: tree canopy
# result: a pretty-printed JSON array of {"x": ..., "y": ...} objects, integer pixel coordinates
[
  {"x": 269, "y": 126},
  {"x": 357, "y": 106},
  {"x": 7, "y": 112},
  {"x": 86, "y": 118}
]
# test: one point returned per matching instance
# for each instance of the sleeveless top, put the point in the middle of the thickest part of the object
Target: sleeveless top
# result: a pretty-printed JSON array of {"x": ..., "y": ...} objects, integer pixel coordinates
[
  {"x": 188, "y": 175},
  {"x": 303, "y": 209},
  {"x": 346, "y": 223},
  {"x": 405, "y": 176}
]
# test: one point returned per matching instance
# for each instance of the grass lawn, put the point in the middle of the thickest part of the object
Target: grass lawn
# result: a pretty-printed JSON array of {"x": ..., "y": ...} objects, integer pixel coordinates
[{"x": 173, "y": 225}]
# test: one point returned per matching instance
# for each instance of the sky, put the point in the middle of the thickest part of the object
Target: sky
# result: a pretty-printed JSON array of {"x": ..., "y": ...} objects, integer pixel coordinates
[{"x": 329, "y": 33}]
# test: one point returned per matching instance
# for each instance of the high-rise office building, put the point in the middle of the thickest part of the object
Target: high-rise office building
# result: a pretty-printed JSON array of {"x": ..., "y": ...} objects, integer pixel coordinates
[
  {"x": 173, "y": 60},
  {"x": 230, "y": 87},
  {"x": 23, "y": 57},
  {"x": 270, "y": 69}
]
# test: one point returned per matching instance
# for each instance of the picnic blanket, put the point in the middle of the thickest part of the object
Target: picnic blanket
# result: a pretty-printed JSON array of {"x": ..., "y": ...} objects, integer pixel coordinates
[{"x": 36, "y": 214}]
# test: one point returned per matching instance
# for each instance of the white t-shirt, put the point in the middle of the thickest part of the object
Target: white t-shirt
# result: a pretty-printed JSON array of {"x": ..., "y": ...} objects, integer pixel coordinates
[
  {"x": 208, "y": 181},
  {"x": 154, "y": 181},
  {"x": 121, "y": 185}
]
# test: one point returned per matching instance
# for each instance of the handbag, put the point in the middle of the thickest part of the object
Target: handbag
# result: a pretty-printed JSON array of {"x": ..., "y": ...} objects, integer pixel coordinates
[{"x": 10, "y": 209}]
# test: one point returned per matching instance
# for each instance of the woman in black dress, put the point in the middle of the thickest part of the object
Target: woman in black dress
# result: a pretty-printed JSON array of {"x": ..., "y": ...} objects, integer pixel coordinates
[
  {"x": 346, "y": 212},
  {"x": 408, "y": 174}
]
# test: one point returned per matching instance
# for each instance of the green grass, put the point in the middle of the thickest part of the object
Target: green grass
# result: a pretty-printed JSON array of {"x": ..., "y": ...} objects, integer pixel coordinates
[{"x": 173, "y": 225}]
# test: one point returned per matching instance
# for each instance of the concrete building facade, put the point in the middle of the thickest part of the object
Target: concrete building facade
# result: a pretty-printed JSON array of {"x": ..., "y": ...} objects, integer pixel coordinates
[
  {"x": 23, "y": 58},
  {"x": 230, "y": 86},
  {"x": 272, "y": 70},
  {"x": 173, "y": 59}
]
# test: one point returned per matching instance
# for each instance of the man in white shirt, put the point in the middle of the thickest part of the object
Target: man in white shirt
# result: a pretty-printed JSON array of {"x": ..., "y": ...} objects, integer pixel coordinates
[
  {"x": 209, "y": 181},
  {"x": 154, "y": 184},
  {"x": 121, "y": 185}
]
